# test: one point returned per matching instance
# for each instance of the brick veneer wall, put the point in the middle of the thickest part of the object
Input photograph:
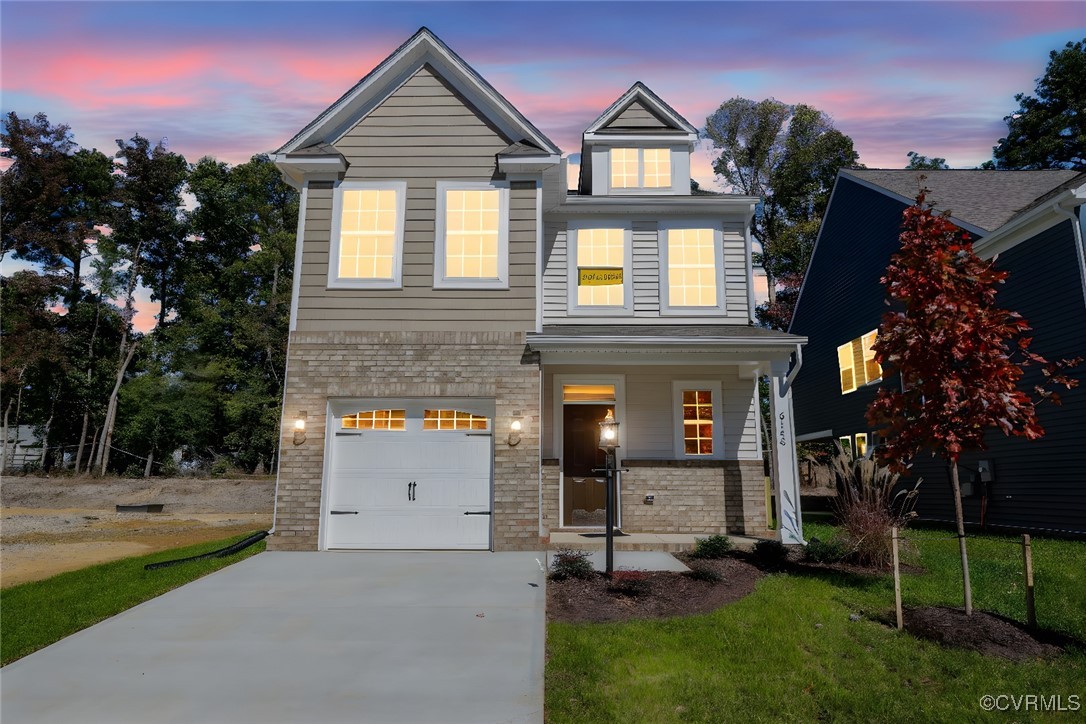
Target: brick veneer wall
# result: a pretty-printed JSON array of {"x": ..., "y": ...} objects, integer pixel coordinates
[
  {"x": 550, "y": 480},
  {"x": 717, "y": 496},
  {"x": 410, "y": 364}
]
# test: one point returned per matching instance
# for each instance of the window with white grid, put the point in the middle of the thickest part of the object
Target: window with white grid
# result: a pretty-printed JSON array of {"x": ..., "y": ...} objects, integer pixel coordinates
[
  {"x": 367, "y": 234},
  {"x": 601, "y": 248},
  {"x": 691, "y": 268},
  {"x": 624, "y": 168},
  {"x": 472, "y": 233},
  {"x": 640, "y": 168},
  {"x": 387, "y": 420},
  {"x": 657, "y": 163}
]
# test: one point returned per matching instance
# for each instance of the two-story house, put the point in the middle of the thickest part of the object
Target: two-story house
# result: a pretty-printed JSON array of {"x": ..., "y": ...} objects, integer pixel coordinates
[
  {"x": 1031, "y": 224},
  {"x": 461, "y": 323}
]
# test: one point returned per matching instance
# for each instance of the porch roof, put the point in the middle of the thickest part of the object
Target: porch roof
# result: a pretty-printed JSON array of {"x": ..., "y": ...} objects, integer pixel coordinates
[{"x": 670, "y": 338}]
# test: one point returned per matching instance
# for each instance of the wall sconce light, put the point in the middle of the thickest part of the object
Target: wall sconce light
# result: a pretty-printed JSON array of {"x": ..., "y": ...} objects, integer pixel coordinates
[
  {"x": 514, "y": 430},
  {"x": 299, "y": 428}
]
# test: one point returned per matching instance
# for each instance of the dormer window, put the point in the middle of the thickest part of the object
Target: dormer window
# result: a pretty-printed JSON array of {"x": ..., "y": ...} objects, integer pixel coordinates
[{"x": 640, "y": 168}]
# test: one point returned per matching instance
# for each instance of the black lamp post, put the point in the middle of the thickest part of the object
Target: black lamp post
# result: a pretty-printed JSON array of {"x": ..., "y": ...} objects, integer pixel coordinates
[{"x": 608, "y": 443}]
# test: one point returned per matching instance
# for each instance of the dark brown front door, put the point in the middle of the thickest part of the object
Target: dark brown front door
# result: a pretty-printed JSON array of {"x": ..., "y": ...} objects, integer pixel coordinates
[{"x": 585, "y": 491}]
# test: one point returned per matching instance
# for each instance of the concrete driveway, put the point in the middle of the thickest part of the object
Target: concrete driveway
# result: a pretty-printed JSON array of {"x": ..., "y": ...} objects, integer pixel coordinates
[{"x": 307, "y": 637}]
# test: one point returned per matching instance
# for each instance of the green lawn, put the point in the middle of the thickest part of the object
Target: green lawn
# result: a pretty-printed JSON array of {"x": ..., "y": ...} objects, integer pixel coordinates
[
  {"x": 34, "y": 615},
  {"x": 766, "y": 659}
]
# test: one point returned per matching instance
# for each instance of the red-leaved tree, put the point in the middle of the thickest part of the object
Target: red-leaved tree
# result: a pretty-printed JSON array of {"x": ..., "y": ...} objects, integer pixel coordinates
[{"x": 959, "y": 356}]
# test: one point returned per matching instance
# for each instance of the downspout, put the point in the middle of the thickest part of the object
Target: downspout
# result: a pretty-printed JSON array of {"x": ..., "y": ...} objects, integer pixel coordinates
[
  {"x": 1076, "y": 228},
  {"x": 795, "y": 369}
]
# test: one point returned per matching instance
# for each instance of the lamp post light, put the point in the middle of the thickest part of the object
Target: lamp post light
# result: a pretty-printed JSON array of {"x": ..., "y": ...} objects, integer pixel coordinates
[{"x": 608, "y": 443}]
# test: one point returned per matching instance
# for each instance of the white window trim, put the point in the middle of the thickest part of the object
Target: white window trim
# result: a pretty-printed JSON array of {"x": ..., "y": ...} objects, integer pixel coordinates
[
  {"x": 502, "y": 280},
  {"x": 572, "y": 277},
  {"x": 680, "y": 166},
  {"x": 718, "y": 258},
  {"x": 337, "y": 282},
  {"x": 677, "y": 387}
]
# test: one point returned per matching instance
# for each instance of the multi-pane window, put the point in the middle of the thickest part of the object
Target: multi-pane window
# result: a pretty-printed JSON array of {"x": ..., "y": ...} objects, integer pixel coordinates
[
  {"x": 367, "y": 234},
  {"x": 601, "y": 251},
  {"x": 453, "y": 420},
  {"x": 856, "y": 361},
  {"x": 472, "y": 233},
  {"x": 657, "y": 168},
  {"x": 624, "y": 168},
  {"x": 691, "y": 268},
  {"x": 697, "y": 407},
  {"x": 376, "y": 420},
  {"x": 648, "y": 168}
]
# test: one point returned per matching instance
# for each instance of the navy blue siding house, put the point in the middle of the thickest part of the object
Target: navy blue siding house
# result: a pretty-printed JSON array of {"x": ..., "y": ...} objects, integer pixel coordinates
[{"x": 1032, "y": 224}]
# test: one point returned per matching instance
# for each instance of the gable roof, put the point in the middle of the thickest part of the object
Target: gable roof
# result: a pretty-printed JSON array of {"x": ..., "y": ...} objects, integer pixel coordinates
[
  {"x": 984, "y": 200},
  {"x": 642, "y": 95},
  {"x": 422, "y": 48}
]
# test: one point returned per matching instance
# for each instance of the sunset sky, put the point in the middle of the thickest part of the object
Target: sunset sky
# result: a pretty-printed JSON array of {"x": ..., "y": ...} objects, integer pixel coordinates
[{"x": 231, "y": 79}]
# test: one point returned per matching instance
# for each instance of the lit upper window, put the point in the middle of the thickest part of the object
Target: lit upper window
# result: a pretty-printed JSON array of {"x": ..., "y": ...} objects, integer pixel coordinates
[
  {"x": 472, "y": 236},
  {"x": 640, "y": 168},
  {"x": 367, "y": 235},
  {"x": 856, "y": 360},
  {"x": 691, "y": 268},
  {"x": 600, "y": 262}
]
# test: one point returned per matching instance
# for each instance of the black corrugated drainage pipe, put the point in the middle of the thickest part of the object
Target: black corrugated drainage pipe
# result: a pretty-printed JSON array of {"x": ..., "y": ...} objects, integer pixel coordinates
[{"x": 221, "y": 553}]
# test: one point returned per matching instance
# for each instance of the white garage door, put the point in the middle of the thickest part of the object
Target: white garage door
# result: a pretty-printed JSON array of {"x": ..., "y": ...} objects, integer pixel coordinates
[{"x": 409, "y": 474}]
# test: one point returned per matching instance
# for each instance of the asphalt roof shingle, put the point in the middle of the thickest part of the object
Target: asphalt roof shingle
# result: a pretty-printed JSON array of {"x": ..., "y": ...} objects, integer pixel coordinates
[{"x": 986, "y": 199}]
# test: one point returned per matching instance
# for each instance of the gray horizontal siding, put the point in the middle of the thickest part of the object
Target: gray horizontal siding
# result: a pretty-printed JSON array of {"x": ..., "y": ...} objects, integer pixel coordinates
[
  {"x": 650, "y": 418},
  {"x": 422, "y": 133},
  {"x": 637, "y": 115},
  {"x": 646, "y": 278}
]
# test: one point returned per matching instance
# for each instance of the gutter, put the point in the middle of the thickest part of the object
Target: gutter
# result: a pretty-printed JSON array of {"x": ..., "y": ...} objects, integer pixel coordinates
[{"x": 668, "y": 342}]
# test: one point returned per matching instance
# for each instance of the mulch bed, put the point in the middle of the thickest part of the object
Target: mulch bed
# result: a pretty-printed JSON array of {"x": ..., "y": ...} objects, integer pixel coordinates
[
  {"x": 984, "y": 632},
  {"x": 659, "y": 595}
]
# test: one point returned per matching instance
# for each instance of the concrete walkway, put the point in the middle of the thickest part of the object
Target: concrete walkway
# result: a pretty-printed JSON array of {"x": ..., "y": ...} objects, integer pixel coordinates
[{"x": 307, "y": 637}]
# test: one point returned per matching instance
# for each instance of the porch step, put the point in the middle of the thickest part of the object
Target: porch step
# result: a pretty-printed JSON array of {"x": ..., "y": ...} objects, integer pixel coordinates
[{"x": 669, "y": 542}]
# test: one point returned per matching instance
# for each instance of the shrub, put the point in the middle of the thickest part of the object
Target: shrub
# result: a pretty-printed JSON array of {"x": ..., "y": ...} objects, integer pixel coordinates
[
  {"x": 770, "y": 552},
  {"x": 571, "y": 563},
  {"x": 703, "y": 573},
  {"x": 867, "y": 507},
  {"x": 629, "y": 583},
  {"x": 715, "y": 546},
  {"x": 825, "y": 551}
]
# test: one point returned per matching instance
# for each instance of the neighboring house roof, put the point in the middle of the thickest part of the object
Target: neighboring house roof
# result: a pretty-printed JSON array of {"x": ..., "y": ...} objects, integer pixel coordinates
[
  {"x": 423, "y": 48},
  {"x": 984, "y": 200}
]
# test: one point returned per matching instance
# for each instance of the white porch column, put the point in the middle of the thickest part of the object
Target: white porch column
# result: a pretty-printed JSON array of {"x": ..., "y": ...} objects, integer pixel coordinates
[{"x": 782, "y": 453}]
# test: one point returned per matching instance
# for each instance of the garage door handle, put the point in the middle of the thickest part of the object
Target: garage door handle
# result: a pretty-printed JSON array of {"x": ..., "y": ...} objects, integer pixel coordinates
[
  {"x": 344, "y": 512},
  {"x": 481, "y": 512},
  {"x": 478, "y": 434}
]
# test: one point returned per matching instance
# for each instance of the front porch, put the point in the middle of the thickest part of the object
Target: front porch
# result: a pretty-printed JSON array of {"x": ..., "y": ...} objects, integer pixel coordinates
[{"x": 690, "y": 444}]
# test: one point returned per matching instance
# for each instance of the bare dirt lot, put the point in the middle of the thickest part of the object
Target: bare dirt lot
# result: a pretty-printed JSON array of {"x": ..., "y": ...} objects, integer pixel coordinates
[{"x": 52, "y": 525}]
